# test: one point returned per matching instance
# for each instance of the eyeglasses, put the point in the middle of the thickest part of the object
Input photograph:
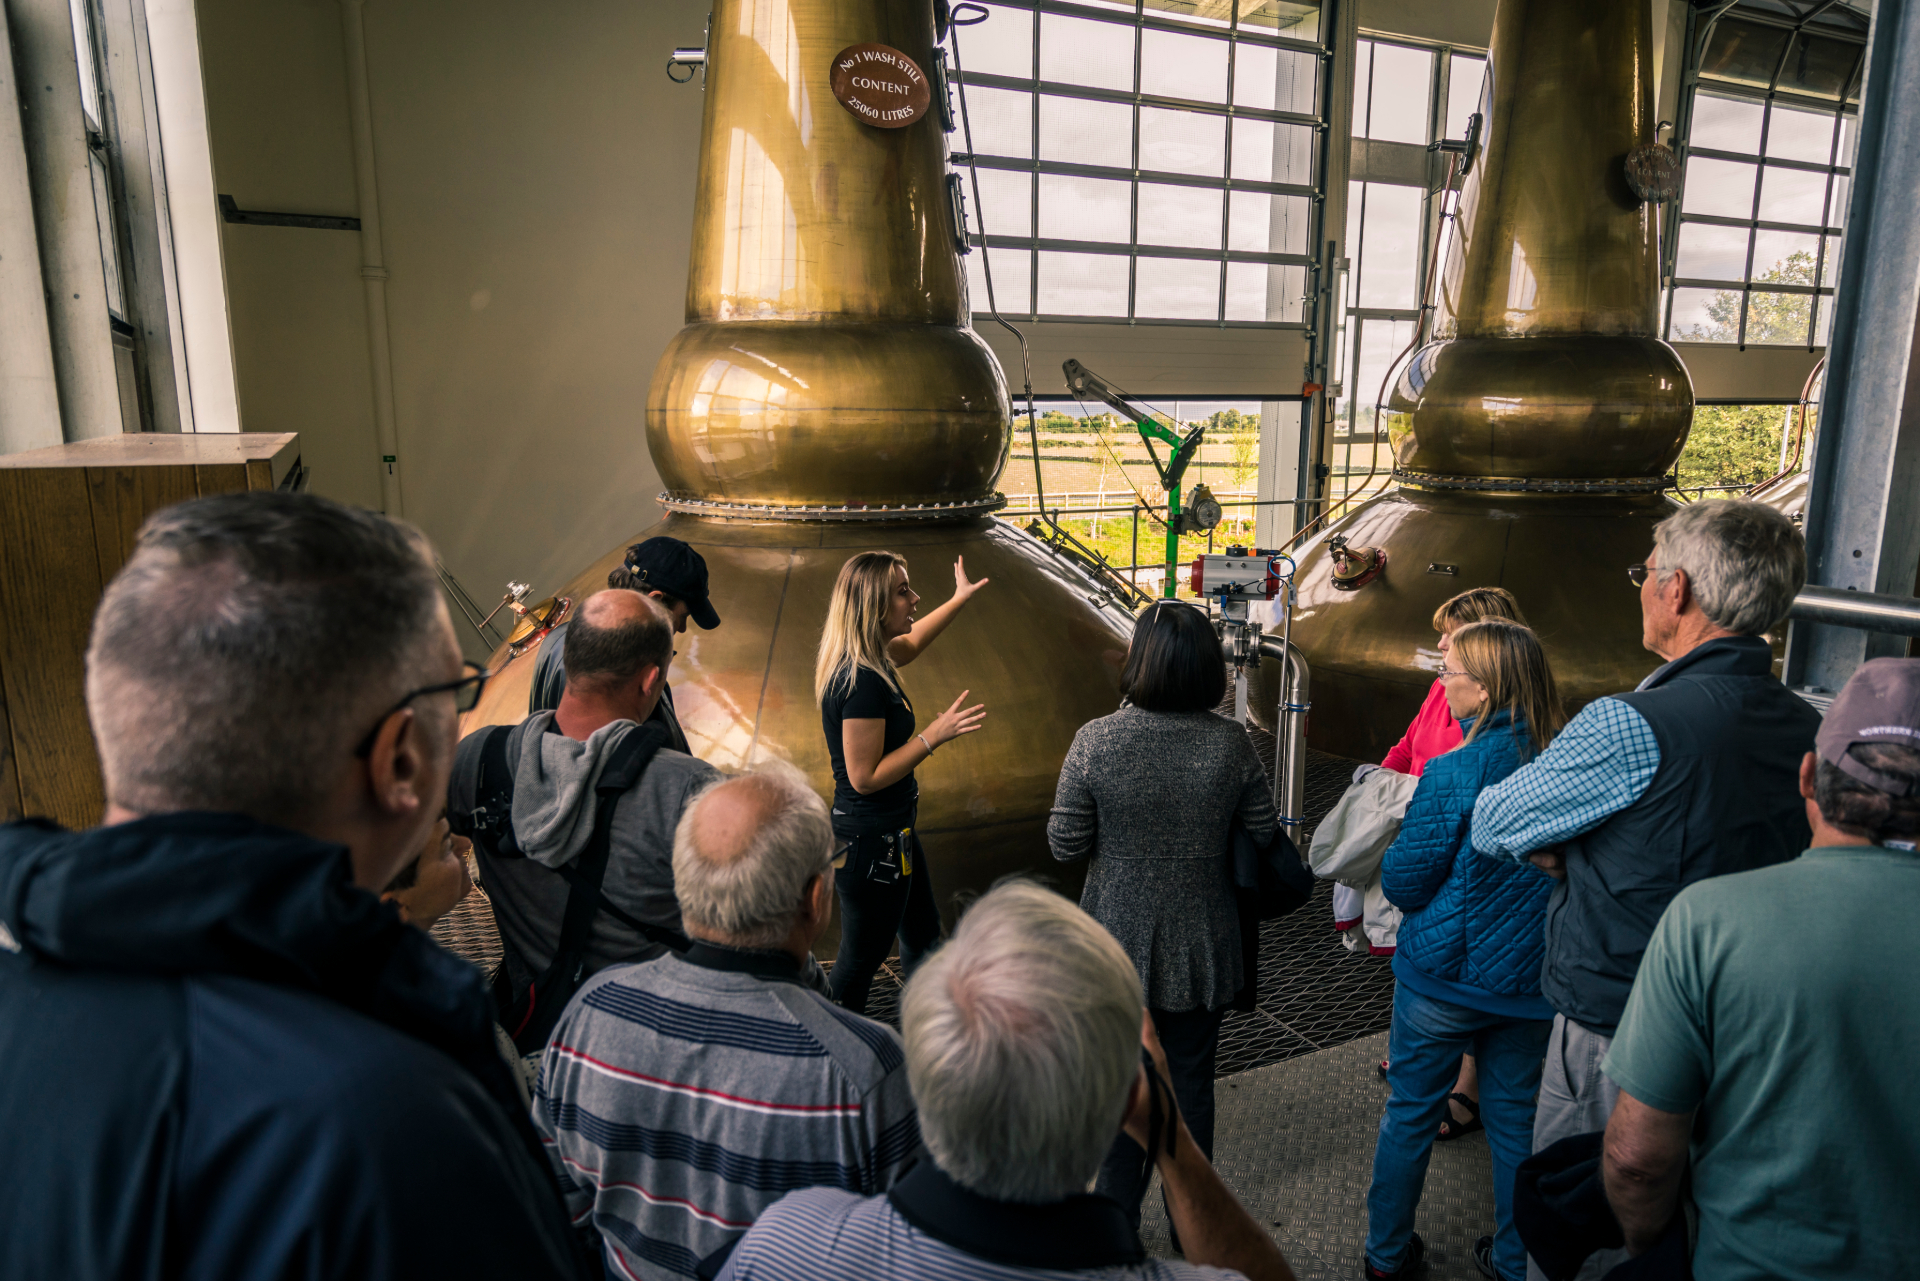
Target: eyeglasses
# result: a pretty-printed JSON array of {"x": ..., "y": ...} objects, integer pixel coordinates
[
  {"x": 1638, "y": 574},
  {"x": 466, "y": 696}
]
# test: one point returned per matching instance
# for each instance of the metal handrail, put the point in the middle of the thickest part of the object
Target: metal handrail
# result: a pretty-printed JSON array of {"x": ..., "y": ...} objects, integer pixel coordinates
[
  {"x": 1290, "y": 735},
  {"x": 1867, "y": 611}
]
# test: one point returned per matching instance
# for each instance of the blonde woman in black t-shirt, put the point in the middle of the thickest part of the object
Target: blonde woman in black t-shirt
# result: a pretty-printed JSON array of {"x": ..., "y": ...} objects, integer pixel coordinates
[{"x": 883, "y": 885}]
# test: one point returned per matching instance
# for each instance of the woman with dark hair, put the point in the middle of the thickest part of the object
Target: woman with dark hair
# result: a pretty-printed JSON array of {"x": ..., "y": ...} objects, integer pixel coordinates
[{"x": 1150, "y": 794}]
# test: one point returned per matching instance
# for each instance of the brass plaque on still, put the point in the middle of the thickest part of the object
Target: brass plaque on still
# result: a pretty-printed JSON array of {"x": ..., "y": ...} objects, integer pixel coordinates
[{"x": 880, "y": 86}]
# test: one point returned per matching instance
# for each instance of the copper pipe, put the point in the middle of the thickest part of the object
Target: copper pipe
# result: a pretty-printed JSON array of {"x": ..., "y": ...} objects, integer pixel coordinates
[{"x": 1799, "y": 432}]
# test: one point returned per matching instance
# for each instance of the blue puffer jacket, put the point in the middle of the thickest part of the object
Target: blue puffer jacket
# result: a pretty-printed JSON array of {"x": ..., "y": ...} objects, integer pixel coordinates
[{"x": 1470, "y": 920}]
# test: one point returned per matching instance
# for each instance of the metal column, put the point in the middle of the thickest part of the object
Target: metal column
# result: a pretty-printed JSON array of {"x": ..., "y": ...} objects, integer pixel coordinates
[{"x": 1863, "y": 522}]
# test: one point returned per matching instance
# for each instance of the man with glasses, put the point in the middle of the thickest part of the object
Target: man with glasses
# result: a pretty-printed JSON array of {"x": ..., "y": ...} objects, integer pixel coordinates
[
  {"x": 1691, "y": 775},
  {"x": 225, "y": 1056},
  {"x": 572, "y": 814}
]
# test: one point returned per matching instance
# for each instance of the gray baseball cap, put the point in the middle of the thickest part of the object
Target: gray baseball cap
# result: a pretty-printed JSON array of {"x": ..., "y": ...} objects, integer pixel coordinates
[{"x": 1880, "y": 704}]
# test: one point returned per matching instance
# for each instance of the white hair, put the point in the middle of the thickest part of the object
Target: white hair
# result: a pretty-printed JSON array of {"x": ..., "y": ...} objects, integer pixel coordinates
[
  {"x": 1745, "y": 560},
  {"x": 752, "y": 899},
  {"x": 1023, "y": 1037}
]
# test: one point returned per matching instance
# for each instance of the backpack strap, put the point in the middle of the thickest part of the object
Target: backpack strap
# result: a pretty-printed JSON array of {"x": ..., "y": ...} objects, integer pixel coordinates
[
  {"x": 547, "y": 996},
  {"x": 480, "y": 793}
]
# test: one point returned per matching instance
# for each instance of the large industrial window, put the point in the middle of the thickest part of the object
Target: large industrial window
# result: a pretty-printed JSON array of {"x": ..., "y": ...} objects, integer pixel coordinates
[
  {"x": 1404, "y": 98},
  {"x": 1145, "y": 160},
  {"x": 1768, "y": 121}
]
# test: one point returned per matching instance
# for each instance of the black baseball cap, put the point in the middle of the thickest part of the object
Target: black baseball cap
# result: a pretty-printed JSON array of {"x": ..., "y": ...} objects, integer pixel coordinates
[
  {"x": 669, "y": 565},
  {"x": 1880, "y": 704}
]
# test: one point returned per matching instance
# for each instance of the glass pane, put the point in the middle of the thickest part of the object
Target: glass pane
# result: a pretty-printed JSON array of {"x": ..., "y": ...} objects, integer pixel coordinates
[
  {"x": 1294, "y": 19},
  {"x": 1792, "y": 195},
  {"x": 1205, "y": 13},
  {"x": 1083, "y": 209},
  {"x": 1266, "y": 152},
  {"x": 1397, "y": 100},
  {"x": 83, "y": 55},
  {"x": 1744, "y": 52},
  {"x": 1711, "y": 253},
  {"x": 1083, "y": 284},
  {"x": 1849, "y": 135},
  {"x": 1381, "y": 341},
  {"x": 1183, "y": 142},
  {"x": 1012, "y": 281},
  {"x": 1784, "y": 257},
  {"x": 1005, "y": 207},
  {"x": 1465, "y": 78},
  {"x": 1080, "y": 51},
  {"x": 1723, "y": 188},
  {"x": 1705, "y": 315},
  {"x": 1778, "y": 318},
  {"x": 1727, "y": 124},
  {"x": 1822, "y": 68},
  {"x": 1263, "y": 224},
  {"x": 1176, "y": 289},
  {"x": 1177, "y": 66},
  {"x": 1184, "y": 216},
  {"x": 1001, "y": 121},
  {"x": 1830, "y": 264},
  {"x": 1822, "y": 320},
  {"x": 1390, "y": 247},
  {"x": 109, "y": 246},
  {"x": 1837, "y": 202},
  {"x": 1000, "y": 46},
  {"x": 1795, "y": 134},
  {"x": 1258, "y": 292},
  {"x": 1276, "y": 79},
  {"x": 1086, "y": 133}
]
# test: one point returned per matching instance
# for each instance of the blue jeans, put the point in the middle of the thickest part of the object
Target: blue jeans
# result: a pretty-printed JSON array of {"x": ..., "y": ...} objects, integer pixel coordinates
[{"x": 1425, "y": 1046}]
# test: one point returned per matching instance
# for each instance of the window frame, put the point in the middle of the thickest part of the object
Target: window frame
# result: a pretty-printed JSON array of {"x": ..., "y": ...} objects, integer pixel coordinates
[
  {"x": 1845, "y": 107},
  {"x": 1141, "y": 20}
]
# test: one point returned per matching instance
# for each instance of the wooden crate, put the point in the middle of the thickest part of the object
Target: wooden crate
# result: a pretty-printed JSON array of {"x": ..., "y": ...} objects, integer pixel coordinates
[{"x": 68, "y": 515}]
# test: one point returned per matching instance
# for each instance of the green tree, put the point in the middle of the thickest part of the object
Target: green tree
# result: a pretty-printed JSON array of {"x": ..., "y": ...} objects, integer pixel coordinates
[
  {"x": 1771, "y": 317},
  {"x": 1732, "y": 444}
]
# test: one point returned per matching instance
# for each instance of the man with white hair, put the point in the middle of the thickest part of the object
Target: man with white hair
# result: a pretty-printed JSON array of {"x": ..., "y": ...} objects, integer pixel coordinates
[
  {"x": 682, "y": 1096},
  {"x": 1691, "y": 775},
  {"x": 225, "y": 1057},
  {"x": 1024, "y": 1038}
]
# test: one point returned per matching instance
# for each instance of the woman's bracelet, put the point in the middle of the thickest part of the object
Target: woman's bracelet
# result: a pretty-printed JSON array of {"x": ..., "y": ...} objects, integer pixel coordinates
[{"x": 924, "y": 743}]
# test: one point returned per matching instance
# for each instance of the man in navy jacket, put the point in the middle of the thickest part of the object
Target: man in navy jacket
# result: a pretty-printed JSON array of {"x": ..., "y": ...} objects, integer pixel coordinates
[
  {"x": 221, "y": 1055},
  {"x": 1691, "y": 775}
]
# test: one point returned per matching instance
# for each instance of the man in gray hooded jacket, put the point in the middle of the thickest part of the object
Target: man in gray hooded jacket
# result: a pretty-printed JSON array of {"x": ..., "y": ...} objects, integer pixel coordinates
[{"x": 618, "y": 650}]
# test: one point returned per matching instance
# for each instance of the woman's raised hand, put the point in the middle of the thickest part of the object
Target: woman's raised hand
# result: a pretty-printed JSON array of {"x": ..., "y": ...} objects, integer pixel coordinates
[
  {"x": 962, "y": 589},
  {"x": 955, "y": 721}
]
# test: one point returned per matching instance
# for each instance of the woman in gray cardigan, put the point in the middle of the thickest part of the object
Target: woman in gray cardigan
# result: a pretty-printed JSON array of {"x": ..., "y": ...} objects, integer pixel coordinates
[{"x": 1150, "y": 794}]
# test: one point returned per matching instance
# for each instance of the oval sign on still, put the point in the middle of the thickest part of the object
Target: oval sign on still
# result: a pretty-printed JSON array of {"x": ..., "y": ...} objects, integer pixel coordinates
[{"x": 880, "y": 86}]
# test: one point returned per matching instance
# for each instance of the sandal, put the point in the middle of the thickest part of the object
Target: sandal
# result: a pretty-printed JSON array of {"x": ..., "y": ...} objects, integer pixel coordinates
[{"x": 1452, "y": 1129}]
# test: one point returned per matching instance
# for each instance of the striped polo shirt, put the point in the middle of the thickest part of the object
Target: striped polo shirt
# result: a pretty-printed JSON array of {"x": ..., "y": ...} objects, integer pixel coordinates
[
  {"x": 682, "y": 1096},
  {"x": 828, "y": 1235}
]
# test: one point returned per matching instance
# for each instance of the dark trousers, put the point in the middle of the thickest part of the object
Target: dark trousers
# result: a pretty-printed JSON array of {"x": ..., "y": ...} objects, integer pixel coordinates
[
  {"x": 1191, "y": 1038},
  {"x": 872, "y": 913}
]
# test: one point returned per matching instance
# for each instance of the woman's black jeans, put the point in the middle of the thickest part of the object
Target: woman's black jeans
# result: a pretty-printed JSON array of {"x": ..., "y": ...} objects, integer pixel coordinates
[
  {"x": 1191, "y": 1039},
  {"x": 872, "y": 912}
]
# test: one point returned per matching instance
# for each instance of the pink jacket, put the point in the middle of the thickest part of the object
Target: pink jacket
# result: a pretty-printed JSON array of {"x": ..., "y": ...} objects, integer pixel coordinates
[{"x": 1432, "y": 732}]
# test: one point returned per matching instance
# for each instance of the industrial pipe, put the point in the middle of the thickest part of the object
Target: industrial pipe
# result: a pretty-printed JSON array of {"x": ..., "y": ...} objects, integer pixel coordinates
[
  {"x": 1867, "y": 611},
  {"x": 1290, "y": 735}
]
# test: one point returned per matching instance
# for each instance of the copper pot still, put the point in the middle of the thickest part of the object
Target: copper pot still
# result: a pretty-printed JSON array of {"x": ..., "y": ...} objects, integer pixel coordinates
[
  {"x": 829, "y": 396},
  {"x": 1530, "y": 436}
]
